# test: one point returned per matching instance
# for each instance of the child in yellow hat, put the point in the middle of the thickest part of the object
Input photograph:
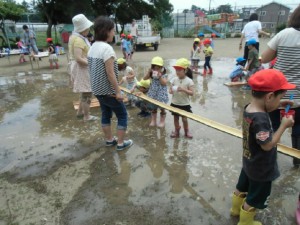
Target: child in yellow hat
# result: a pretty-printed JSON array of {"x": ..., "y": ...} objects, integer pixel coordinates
[
  {"x": 143, "y": 87},
  {"x": 158, "y": 89},
  {"x": 182, "y": 88},
  {"x": 195, "y": 54},
  {"x": 129, "y": 78}
]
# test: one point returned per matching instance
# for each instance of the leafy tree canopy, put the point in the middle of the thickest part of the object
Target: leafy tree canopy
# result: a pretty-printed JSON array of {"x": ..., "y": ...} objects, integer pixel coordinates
[
  {"x": 9, "y": 9},
  {"x": 224, "y": 9}
]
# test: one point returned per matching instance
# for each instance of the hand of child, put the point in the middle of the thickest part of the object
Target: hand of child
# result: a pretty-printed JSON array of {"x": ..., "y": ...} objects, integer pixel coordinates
[
  {"x": 180, "y": 89},
  {"x": 287, "y": 121},
  {"x": 284, "y": 103},
  {"x": 139, "y": 93}
]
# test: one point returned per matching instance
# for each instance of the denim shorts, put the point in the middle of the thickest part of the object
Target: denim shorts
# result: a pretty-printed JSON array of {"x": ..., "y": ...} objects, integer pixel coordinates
[{"x": 108, "y": 105}]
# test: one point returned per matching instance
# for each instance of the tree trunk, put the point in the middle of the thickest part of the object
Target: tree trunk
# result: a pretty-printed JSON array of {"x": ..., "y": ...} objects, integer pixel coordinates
[{"x": 50, "y": 23}]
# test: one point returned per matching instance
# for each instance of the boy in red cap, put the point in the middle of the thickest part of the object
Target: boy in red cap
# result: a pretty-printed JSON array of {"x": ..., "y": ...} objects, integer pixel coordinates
[
  {"x": 208, "y": 51},
  {"x": 52, "y": 55},
  {"x": 259, "y": 144}
]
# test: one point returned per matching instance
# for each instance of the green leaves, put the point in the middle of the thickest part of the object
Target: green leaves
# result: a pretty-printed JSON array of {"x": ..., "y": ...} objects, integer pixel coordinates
[{"x": 11, "y": 10}]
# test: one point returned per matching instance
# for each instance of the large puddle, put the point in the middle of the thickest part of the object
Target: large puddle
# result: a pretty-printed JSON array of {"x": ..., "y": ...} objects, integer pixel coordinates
[{"x": 58, "y": 167}]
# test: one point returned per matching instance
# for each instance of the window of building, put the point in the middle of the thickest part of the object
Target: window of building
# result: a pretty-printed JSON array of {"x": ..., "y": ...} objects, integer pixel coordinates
[
  {"x": 281, "y": 13},
  {"x": 272, "y": 25},
  {"x": 262, "y": 13}
]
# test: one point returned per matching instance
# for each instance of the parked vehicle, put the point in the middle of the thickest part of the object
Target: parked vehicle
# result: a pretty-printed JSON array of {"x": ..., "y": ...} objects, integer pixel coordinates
[{"x": 146, "y": 38}]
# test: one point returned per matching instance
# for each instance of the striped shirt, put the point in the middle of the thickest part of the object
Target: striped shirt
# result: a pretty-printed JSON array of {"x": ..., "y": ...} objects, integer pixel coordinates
[
  {"x": 287, "y": 45},
  {"x": 98, "y": 54}
]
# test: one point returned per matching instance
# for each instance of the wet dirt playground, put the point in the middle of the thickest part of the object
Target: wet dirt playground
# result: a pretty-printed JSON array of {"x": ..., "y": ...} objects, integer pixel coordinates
[{"x": 55, "y": 169}]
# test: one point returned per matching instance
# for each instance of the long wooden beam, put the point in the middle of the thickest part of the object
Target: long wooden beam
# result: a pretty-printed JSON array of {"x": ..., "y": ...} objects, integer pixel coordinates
[{"x": 213, "y": 124}]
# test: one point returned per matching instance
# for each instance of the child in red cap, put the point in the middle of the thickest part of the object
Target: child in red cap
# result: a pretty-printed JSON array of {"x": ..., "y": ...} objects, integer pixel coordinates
[
  {"x": 52, "y": 55},
  {"x": 259, "y": 144},
  {"x": 208, "y": 51}
]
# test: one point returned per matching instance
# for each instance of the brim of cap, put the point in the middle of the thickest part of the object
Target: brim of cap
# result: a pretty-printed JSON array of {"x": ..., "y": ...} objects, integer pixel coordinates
[
  {"x": 286, "y": 86},
  {"x": 179, "y": 67}
]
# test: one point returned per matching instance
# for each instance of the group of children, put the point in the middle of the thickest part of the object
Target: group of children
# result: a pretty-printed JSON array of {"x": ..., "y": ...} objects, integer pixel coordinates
[
  {"x": 127, "y": 46},
  {"x": 155, "y": 85},
  {"x": 246, "y": 67},
  {"x": 207, "y": 46},
  {"x": 51, "y": 49},
  {"x": 259, "y": 140}
]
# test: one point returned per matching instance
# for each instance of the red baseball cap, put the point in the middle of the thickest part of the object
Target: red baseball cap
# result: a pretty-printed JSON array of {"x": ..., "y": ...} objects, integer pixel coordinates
[
  {"x": 269, "y": 80},
  {"x": 49, "y": 39}
]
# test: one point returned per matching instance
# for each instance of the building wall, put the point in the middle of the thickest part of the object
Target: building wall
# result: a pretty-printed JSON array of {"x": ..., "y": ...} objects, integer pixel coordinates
[{"x": 273, "y": 15}]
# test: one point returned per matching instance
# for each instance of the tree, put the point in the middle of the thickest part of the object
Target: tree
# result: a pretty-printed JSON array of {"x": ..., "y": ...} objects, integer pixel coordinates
[
  {"x": 162, "y": 10},
  {"x": 10, "y": 10},
  {"x": 224, "y": 9}
]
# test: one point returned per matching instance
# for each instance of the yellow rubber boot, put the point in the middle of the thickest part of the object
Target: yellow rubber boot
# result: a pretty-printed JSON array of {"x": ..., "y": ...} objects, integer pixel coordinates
[
  {"x": 237, "y": 201},
  {"x": 247, "y": 217}
]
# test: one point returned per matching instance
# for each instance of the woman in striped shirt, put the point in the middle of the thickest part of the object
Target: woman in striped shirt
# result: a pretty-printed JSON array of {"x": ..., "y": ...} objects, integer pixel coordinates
[{"x": 286, "y": 47}]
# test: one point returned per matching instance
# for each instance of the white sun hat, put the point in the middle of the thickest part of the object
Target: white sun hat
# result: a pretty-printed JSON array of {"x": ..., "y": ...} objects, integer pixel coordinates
[{"x": 81, "y": 23}]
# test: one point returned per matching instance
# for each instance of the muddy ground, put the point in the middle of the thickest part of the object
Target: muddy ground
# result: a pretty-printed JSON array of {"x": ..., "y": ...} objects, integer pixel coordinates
[{"x": 55, "y": 169}]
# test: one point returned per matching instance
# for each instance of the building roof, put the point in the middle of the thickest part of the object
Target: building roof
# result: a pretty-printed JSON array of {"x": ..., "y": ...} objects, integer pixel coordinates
[{"x": 274, "y": 2}]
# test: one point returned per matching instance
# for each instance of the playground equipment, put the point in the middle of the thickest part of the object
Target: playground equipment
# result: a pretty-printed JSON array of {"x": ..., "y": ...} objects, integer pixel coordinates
[{"x": 7, "y": 32}]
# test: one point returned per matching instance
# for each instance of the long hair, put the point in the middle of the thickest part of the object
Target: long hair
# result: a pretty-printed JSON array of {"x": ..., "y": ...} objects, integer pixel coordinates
[{"x": 189, "y": 73}]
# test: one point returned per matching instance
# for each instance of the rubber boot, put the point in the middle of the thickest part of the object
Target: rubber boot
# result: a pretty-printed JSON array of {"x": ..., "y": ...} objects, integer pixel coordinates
[
  {"x": 162, "y": 120},
  {"x": 153, "y": 120},
  {"x": 247, "y": 217},
  {"x": 20, "y": 61},
  {"x": 237, "y": 202},
  {"x": 176, "y": 133},
  {"x": 187, "y": 134},
  {"x": 210, "y": 71},
  {"x": 296, "y": 144},
  {"x": 51, "y": 66},
  {"x": 204, "y": 72},
  {"x": 57, "y": 66}
]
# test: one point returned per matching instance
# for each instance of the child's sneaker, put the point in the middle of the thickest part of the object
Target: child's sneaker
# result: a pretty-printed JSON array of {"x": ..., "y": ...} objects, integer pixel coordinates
[
  {"x": 126, "y": 144},
  {"x": 112, "y": 143}
]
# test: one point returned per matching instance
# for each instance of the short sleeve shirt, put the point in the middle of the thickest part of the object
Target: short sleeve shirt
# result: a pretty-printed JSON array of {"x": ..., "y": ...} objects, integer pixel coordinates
[
  {"x": 253, "y": 54},
  {"x": 77, "y": 42},
  {"x": 133, "y": 31},
  {"x": 251, "y": 30},
  {"x": 287, "y": 45},
  {"x": 259, "y": 165},
  {"x": 98, "y": 54},
  {"x": 181, "y": 98}
]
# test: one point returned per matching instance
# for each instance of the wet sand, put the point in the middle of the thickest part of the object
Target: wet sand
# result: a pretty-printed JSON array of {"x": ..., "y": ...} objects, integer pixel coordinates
[{"x": 55, "y": 169}]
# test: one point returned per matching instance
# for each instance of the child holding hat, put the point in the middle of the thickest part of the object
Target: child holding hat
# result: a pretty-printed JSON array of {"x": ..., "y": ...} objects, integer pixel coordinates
[
  {"x": 182, "y": 88},
  {"x": 260, "y": 144},
  {"x": 52, "y": 55}
]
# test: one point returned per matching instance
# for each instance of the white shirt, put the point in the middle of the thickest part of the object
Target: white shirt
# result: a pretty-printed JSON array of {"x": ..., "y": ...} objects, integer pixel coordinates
[
  {"x": 181, "y": 98},
  {"x": 251, "y": 30},
  {"x": 133, "y": 31}
]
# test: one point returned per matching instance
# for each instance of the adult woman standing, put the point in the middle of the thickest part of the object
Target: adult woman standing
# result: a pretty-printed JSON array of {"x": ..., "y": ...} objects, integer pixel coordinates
[
  {"x": 78, "y": 49},
  {"x": 251, "y": 31},
  {"x": 104, "y": 78},
  {"x": 285, "y": 45}
]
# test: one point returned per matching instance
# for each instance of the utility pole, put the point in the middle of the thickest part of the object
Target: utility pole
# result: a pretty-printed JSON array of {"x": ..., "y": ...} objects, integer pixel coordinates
[{"x": 209, "y": 7}]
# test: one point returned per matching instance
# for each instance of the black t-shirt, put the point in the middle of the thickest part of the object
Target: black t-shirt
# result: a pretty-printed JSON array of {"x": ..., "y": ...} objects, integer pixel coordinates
[{"x": 258, "y": 164}]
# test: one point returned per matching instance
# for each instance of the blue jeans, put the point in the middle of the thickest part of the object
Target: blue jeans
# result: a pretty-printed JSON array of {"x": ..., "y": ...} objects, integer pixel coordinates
[
  {"x": 207, "y": 62},
  {"x": 109, "y": 105}
]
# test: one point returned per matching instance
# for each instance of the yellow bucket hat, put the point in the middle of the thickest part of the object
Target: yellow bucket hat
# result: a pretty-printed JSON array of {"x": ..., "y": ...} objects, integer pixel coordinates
[
  {"x": 182, "y": 63},
  {"x": 144, "y": 83},
  {"x": 121, "y": 61},
  {"x": 196, "y": 40},
  {"x": 157, "y": 61}
]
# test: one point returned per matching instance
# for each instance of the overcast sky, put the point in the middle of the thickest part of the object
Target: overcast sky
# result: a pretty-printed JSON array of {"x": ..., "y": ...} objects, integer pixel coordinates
[{"x": 186, "y": 4}]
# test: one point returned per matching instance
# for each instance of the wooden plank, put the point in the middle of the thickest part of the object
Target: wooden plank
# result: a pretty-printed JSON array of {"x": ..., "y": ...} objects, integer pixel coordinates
[
  {"x": 238, "y": 83},
  {"x": 213, "y": 124},
  {"x": 94, "y": 103}
]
